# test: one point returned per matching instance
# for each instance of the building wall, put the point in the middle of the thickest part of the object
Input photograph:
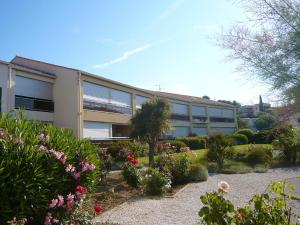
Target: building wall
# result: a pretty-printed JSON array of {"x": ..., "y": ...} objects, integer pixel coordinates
[
  {"x": 4, "y": 82},
  {"x": 65, "y": 93},
  {"x": 70, "y": 113}
]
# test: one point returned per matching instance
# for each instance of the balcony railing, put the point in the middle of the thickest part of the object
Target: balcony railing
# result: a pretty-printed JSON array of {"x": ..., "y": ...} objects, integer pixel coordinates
[
  {"x": 180, "y": 117},
  {"x": 33, "y": 104},
  {"x": 199, "y": 119},
  {"x": 221, "y": 119},
  {"x": 106, "y": 107}
]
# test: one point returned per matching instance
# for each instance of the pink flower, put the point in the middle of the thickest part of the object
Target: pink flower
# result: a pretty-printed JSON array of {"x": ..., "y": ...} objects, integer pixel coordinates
[
  {"x": 48, "y": 219},
  {"x": 53, "y": 203},
  {"x": 43, "y": 148},
  {"x": 44, "y": 138},
  {"x": 85, "y": 166},
  {"x": 60, "y": 200},
  {"x": 70, "y": 201},
  {"x": 76, "y": 176},
  {"x": 70, "y": 168},
  {"x": 63, "y": 159},
  {"x": 57, "y": 154},
  {"x": 223, "y": 185}
]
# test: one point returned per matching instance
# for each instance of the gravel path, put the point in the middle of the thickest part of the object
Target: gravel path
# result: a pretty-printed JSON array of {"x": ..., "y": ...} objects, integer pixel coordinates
[{"x": 183, "y": 208}]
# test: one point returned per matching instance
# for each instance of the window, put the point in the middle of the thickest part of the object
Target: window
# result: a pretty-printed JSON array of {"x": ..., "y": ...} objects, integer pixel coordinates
[
  {"x": 221, "y": 120},
  {"x": 100, "y": 98},
  {"x": 140, "y": 100},
  {"x": 28, "y": 103}
]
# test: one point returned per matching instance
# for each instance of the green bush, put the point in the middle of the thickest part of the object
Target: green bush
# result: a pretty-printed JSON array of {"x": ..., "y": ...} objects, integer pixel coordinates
[
  {"x": 198, "y": 173},
  {"x": 212, "y": 167},
  {"x": 249, "y": 133},
  {"x": 38, "y": 162},
  {"x": 286, "y": 141},
  {"x": 239, "y": 139},
  {"x": 259, "y": 155},
  {"x": 194, "y": 142},
  {"x": 155, "y": 182},
  {"x": 180, "y": 169},
  {"x": 263, "y": 137},
  {"x": 119, "y": 150},
  {"x": 177, "y": 145},
  {"x": 131, "y": 174},
  {"x": 219, "y": 148}
]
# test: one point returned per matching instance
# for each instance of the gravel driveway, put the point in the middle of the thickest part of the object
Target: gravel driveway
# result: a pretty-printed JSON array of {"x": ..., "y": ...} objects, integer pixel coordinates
[{"x": 183, "y": 208}]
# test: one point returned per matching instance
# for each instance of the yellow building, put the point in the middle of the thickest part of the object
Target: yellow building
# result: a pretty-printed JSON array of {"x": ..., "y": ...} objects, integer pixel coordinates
[{"x": 96, "y": 107}]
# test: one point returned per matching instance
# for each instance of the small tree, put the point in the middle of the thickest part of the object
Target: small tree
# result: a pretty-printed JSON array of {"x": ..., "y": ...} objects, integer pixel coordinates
[
  {"x": 150, "y": 122},
  {"x": 265, "y": 121},
  {"x": 219, "y": 148}
]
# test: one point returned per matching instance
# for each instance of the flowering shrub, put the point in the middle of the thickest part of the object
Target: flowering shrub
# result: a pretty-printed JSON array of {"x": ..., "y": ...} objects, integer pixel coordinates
[
  {"x": 180, "y": 169},
  {"x": 45, "y": 172},
  {"x": 266, "y": 209},
  {"x": 219, "y": 148},
  {"x": 155, "y": 182},
  {"x": 130, "y": 173}
]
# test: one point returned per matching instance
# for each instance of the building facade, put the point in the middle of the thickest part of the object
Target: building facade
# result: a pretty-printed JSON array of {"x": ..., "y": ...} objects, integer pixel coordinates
[{"x": 96, "y": 107}]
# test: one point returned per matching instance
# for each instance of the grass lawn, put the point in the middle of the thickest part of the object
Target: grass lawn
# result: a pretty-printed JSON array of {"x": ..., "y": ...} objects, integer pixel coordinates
[{"x": 231, "y": 166}]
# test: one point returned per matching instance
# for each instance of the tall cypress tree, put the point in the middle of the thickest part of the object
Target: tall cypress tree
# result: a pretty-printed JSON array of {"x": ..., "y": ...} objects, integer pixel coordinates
[{"x": 261, "y": 104}]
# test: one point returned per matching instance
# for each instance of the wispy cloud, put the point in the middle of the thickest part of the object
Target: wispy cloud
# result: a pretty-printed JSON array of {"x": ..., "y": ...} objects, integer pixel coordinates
[
  {"x": 123, "y": 57},
  {"x": 168, "y": 12}
]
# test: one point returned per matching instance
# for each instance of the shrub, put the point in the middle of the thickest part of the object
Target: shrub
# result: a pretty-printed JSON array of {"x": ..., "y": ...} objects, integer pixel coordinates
[
  {"x": 194, "y": 142},
  {"x": 39, "y": 162},
  {"x": 219, "y": 148},
  {"x": 248, "y": 133},
  {"x": 119, "y": 150},
  {"x": 198, "y": 173},
  {"x": 259, "y": 155},
  {"x": 130, "y": 173},
  {"x": 155, "y": 182},
  {"x": 177, "y": 145},
  {"x": 180, "y": 169},
  {"x": 212, "y": 167},
  {"x": 239, "y": 139},
  {"x": 287, "y": 141},
  {"x": 267, "y": 208},
  {"x": 263, "y": 137}
]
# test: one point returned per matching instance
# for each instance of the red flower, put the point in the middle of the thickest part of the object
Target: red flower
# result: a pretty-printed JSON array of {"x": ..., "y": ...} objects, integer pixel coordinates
[
  {"x": 130, "y": 157},
  {"x": 98, "y": 209},
  {"x": 134, "y": 162},
  {"x": 81, "y": 189}
]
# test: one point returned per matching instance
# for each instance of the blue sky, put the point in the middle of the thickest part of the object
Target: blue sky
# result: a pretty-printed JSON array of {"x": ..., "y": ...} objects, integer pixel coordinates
[{"x": 139, "y": 42}]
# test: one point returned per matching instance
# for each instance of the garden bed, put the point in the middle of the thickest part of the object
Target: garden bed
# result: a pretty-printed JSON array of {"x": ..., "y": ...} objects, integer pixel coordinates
[{"x": 115, "y": 191}]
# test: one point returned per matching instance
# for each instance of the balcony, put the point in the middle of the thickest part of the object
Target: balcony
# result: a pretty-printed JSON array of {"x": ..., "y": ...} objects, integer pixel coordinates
[
  {"x": 199, "y": 119},
  {"x": 33, "y": 104},
  {"x": 221, "y": 120},
  {"x": 106, "y": 107},
  {"x": 180, "y": 117}
]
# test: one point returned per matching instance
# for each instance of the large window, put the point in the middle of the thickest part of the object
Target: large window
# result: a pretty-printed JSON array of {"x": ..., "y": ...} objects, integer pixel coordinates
[
  {"x": 180, "y": 112},
  {"x": 35, "y": 95},
  {"x": 221, "y": 115},
  {"x": 140, "y": 100},
  {"x": 100, "y": 98},
  {"x": 199, "y": 114}
]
